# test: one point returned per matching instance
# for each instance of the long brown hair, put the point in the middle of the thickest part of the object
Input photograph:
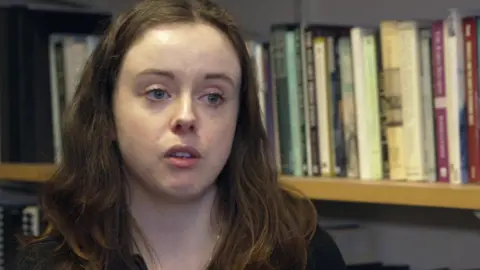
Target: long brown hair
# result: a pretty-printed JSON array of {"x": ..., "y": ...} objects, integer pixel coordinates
[{"x": 85, "y": 202}]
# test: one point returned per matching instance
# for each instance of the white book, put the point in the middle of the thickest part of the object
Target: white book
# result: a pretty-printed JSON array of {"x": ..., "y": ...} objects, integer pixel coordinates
[
  {"x": 455, "y": 90},
  {"x": 323, "y": 107},
  {"x": 390, "y": 45},
  {"x": 372, "y": 105},
  {"x": 412, "y": 95},
  {"x": 364, "y": 154}
]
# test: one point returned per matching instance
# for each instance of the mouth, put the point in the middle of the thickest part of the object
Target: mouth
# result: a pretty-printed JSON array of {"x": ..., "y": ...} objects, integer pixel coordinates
[
  {"x": 181, "y": 156},
  {"x": 184, "y": 151}
]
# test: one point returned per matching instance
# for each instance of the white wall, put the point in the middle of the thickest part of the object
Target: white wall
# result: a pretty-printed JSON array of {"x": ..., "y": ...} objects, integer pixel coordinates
[
  {"x": 425, "y": 238},
  {"x": 256, "y": 16}
]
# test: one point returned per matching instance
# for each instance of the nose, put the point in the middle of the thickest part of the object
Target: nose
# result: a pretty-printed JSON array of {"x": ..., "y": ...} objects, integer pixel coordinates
[{"x": 184, "y": 119}]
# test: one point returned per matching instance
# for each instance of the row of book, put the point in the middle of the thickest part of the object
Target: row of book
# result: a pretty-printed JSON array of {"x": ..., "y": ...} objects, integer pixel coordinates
[
  {"x": 33, "y": 94},
  {"x": 59, "y": 41},
  {"x": 16, "y": 221},
  {"x": 397, "y": 102}
]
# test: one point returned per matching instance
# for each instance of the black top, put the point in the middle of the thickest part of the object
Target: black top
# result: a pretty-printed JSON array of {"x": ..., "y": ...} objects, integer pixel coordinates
[{"x": 323, "y": 254}]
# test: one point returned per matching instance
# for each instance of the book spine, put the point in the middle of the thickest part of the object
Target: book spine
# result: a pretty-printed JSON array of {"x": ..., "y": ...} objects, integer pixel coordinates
[
  {"x": 283, "y": 116},
  {"x": 323, "y": 106},
  {"x": 272, "y": 55},
  {"x": 303, "y": 102},
  {"x": 257, "y": 56},
  {"x": 294, "y": 104},
  {"x": 336, "y": 113},
  {"x": 455, "y": 82},
  {"x": 349, "y": 109},
  {"x": 440, "y": 102},
  {"x": 269, "y": 99},
  {"x": 393, "y": 98},
  {"x": 10, "y": 227},
  {"x": 382, "y": 106},
  {"x": 312, "y": 108},
  {"x": 428, "y": 118},
  {"x": 372, "y": 105},
  {"x": 357, "y": 34},
  {"x": 411, "y": 92},
  {"x": 471, "y": 83}
]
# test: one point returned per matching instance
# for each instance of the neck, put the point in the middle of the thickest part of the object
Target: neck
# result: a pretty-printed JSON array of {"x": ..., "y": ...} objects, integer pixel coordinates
[{"x": 174, "y": 228}]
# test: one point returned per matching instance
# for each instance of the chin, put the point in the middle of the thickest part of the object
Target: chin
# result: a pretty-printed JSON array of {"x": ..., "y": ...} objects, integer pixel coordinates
[
  {"x": 175, "y": 185},
  {"x": 185, "y": 189}
]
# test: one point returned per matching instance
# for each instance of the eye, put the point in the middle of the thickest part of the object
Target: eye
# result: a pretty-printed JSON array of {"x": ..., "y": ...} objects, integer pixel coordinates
[
  {"x": 214, "y": 99},
  {"x": 157, "y": 94}
]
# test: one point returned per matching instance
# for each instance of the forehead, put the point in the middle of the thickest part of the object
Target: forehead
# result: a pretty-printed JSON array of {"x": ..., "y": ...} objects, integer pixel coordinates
[{"x": 188, "y": 48}]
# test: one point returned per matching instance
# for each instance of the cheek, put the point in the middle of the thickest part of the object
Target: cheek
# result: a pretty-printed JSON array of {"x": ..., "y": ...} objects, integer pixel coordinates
[
  {"x": 133, "y": 128},
  {"x": 218, "y": 134}
]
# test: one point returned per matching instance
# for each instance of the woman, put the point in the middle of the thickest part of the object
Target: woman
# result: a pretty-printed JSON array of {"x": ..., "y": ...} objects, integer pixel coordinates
[{"x": 165, "y": 162}]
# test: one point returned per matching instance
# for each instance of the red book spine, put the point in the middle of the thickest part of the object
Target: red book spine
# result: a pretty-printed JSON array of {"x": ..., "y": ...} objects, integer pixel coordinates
[
  {"x": 440, "y": 102},
  {"x": 471, "y": 89}
]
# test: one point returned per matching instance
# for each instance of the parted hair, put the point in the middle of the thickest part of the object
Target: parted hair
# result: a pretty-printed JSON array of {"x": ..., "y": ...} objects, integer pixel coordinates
[{"x": 268, "y": 226}]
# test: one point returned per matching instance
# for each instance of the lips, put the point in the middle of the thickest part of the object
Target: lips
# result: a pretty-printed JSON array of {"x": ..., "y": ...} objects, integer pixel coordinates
[
  {"x": 182, "y": 151},
  {"x": 182, "y": 157}
]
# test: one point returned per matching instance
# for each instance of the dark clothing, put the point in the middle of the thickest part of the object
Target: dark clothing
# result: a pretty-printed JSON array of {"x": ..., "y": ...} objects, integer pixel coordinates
[{"x": 323, "y": 254}]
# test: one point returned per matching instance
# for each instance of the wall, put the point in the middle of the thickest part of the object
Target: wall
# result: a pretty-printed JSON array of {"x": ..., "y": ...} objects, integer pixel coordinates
[
  {"x": 425, "y": 238},
  {"x": 256, "y": 16}
]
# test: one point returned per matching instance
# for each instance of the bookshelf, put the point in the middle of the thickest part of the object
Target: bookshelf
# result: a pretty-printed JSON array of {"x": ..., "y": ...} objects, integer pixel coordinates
[
  {"x": 40, "y": 44},
  {"x": 26, "y": 172},
  {"x": 389, "y": 192},
  {"x": 323, "y": 188}
]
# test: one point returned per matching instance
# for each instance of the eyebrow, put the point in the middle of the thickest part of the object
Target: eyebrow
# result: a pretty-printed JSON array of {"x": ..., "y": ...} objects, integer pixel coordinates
[{"x": 171, "y": 75}]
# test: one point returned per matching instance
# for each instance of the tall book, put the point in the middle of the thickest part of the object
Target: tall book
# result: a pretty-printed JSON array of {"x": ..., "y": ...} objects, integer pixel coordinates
[
  {"x": 390, "y": 50},
  {"x": 349, "y": 108},
  {"x": 440, "y": 102},
  {"x": 365, "y": 69},
  {"x": 428, "y": 119},
  {"x": 311, "y": 93},
  {"x": 469, "y": 25},
  {"x": 410, "y": 75},
  {"x": 288, "y": 101},
  {"x": 455, "y": 86}
]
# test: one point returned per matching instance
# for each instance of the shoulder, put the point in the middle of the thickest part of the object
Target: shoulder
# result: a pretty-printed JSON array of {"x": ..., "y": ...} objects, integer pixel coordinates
[
  {"x": 49, "y": 254},
  {"x": 40, "y": 255},
  {"x": 323, "y": 253}
]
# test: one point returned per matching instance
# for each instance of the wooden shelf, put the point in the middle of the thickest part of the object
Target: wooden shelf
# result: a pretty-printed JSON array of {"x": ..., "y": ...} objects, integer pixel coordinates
[
  {"x": 34, "y": 172},
  {"x": 389, "y": 192},
  {"x": 333, "y": 189}
]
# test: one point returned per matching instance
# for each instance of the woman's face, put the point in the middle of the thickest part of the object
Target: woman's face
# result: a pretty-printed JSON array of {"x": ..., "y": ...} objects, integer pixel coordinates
[{"x": 176, "y": 107}]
